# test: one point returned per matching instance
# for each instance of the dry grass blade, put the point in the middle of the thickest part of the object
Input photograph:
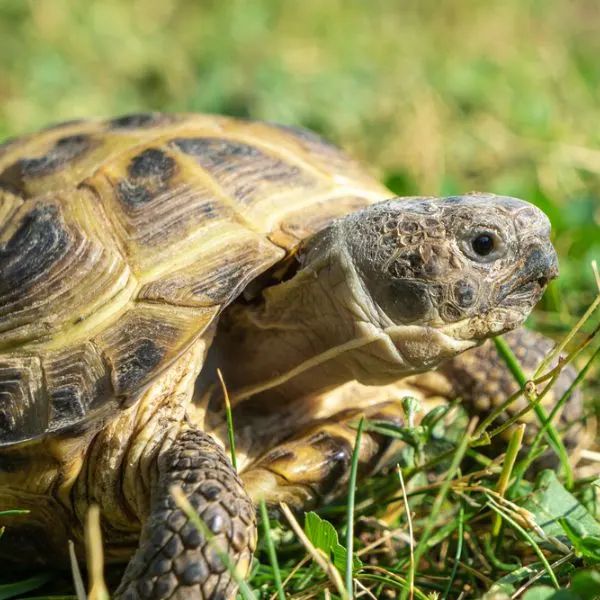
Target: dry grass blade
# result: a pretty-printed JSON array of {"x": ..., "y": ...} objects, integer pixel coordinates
[
  {"x": 540, "y": 574},
  {"x": 95, "y": 555},
  {"x": 76, "y": 573},
  {"x": 516, "y": 439},
  {"x": 557, "y": 351},
  {"x": 411, "y": 579},
  {"x": 442, "y": 493},
  {"x": 365, "y": 590},
  {"x": 290, "y": 575},
  {"x": 390, "y": 575},
  {"x": 590, "y": 455},
  {"x": 532, "y": 543},
  {"x": 325, "y": 564}
]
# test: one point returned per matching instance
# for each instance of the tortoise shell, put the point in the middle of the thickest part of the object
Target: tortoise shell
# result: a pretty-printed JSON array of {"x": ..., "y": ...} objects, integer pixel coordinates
[{"x": 121, "y": 241}]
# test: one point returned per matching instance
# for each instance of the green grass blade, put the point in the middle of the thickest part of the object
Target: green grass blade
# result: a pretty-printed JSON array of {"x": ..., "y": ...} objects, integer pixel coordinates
[
  {"x": 13, "y": 512},
  {"x": 511, "y": 361},
  {"x": 264, "y": 515},
  {"x": 532, "y": 454},
  {"x": 459, "y": 544},
  {"x": 440, "y": 498},
  {"x": 514, "y": 445},
  {"x": 563, "y": 344},
  {"x": 527, "y": 537},
  {"x": 229, "y": 416},
  {"x": 515, "y": 368},
  {"x": 17, "y": 589},
  {"x": 350, "y": 511}
]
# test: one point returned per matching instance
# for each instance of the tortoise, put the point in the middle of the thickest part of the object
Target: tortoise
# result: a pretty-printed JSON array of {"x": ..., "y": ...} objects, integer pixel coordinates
[{"x": 140, "y": 254}]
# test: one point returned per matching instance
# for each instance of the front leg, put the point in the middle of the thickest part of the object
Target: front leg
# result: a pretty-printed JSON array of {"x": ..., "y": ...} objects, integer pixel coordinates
[
  {"x": 175, "y": 560},
  {"x": 312, "y": 468}
]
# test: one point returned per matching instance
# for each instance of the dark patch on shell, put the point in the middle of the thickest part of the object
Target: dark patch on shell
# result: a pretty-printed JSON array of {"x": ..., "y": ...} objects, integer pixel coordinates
[
  {"x": 326, "y": 153},
  {"x": 36, "y": 245},
  {"x": 213, "y": 151},
  {"x": 136, "y": 366},
  {"x": 152, "y": 162},
  {"x": 243, "y": 170},
  {"x": 281, "y": 454},
  {"x": 305, "y": 135},
  {"x": 149, "y": 174},
  {"x": 11, "y": 180},
  {"x": 67, "y": 404},
  {"x": 62, "y": 154},
  {"x": 23, "y": 407},
  {"x": 139, "y": 120},
  {"x": 64, "y": 151}
]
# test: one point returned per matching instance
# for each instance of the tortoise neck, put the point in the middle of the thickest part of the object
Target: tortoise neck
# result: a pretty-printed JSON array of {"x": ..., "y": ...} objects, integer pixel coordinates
[{"x": 307, "y": 335}]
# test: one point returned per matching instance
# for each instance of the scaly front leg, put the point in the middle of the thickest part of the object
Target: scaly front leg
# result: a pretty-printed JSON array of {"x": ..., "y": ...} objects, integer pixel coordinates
[{"x": 174, "y": 559}]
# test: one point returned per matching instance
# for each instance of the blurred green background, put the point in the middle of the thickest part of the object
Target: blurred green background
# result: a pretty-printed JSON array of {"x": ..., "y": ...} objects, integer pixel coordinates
[{"x": 437, "y": 97}]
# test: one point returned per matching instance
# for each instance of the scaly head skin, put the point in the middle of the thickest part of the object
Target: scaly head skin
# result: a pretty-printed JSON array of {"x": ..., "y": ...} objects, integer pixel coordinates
[
  {"x": 470, "y": 267},
  {"x": 393, "y": 290}
]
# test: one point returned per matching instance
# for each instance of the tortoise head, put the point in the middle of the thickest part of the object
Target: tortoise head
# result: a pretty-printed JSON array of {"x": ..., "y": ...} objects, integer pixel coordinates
[
  {"x": 446, "y": 270},
  {"x": 389, "y": 291}
]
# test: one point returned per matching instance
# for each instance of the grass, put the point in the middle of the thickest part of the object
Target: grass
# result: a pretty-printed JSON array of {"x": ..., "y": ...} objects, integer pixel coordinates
[
  {"x": 436, "y": 98},
  {"x": 349, "y": 579}
]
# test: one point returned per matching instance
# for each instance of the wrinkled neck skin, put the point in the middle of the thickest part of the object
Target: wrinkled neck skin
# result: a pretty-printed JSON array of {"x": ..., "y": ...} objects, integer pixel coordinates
[{"x": 318, "y": 330}]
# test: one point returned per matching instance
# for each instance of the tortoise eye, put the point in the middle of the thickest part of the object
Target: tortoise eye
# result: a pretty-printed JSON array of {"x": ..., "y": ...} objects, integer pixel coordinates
[{"x": 483, "y": 244}]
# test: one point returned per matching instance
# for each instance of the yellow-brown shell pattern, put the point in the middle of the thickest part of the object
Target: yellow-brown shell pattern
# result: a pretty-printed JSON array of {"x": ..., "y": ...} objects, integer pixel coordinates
[{"x": 122, "y": 240}]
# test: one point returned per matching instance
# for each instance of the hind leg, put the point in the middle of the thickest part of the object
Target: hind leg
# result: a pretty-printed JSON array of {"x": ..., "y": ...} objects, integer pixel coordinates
[{"x": 482, "y": 381}]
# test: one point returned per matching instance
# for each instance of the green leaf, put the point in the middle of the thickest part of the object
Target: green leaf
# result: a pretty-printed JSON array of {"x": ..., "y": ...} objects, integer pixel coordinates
[
  {"x": 545, "y": 592},
  {"x": 11, "y": 590},
  {"x": 414, "y": 436},
  {"x": 320, "y": 532},
  {"x": 586, "y": 584},
  {"x": 540, "y": 592},
  {"x": 508, "y": 583},
  {"x": 584, "y": 544},
  {"x": 323, "y": 536},
  {"x": 431, "y": 419},
  {"x": 558, "y": 512}
]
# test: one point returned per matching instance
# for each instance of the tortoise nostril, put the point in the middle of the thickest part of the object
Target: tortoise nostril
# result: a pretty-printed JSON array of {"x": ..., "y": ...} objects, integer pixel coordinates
[{"x": 542, "y": 281}]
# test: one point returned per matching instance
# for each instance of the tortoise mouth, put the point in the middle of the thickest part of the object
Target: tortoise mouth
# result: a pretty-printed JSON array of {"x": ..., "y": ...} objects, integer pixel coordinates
[
  {"x": 541, "y": 266},
  {"x": 525, "y": 293}
]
